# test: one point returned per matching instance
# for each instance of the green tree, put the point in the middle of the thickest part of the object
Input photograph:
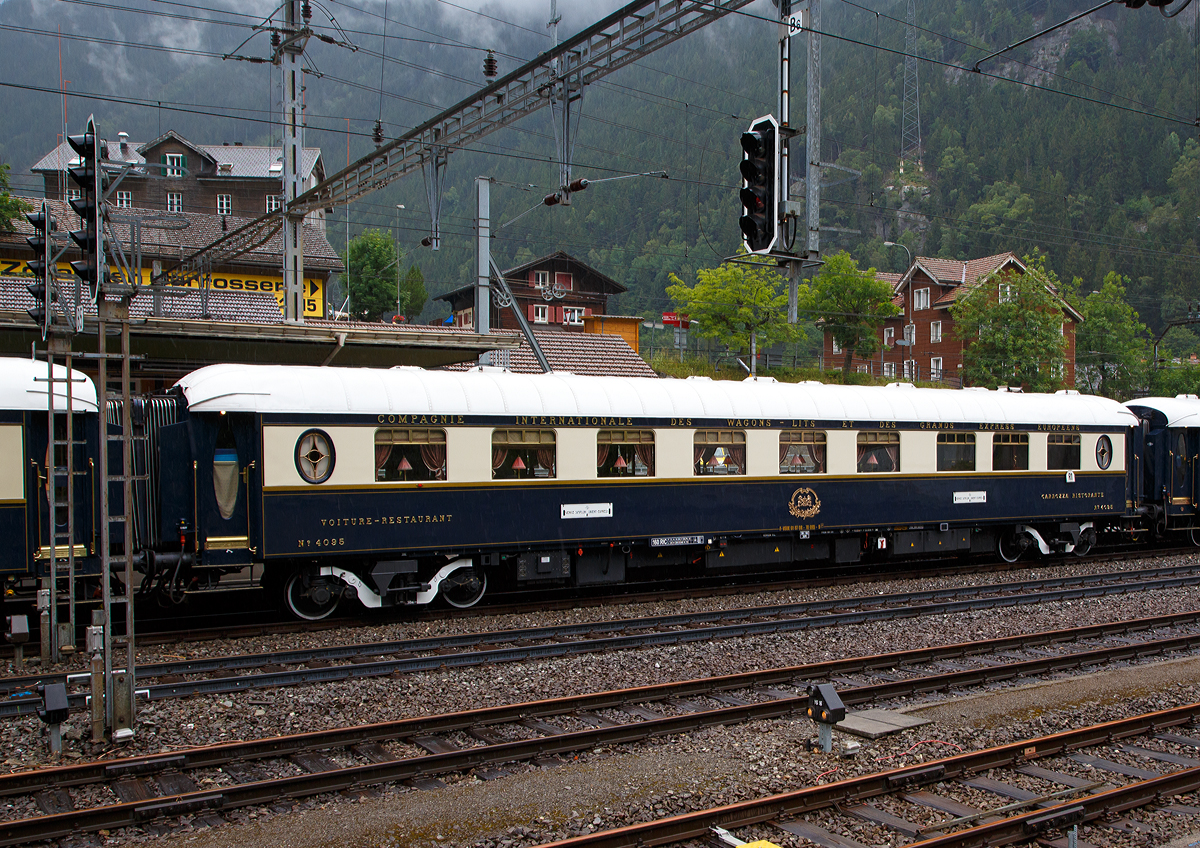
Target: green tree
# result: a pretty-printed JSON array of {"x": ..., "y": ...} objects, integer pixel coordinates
[
  {"x": 413, "y": 291},
  {"x": 1110, "y": 345},
  {"x": 851, "y": 304},
  {"x": 374, "y": 275},
  {"x": 11, "y": 207},
  {"x": 737, "y": 302},
  {"x": 1010, "y": 325}
]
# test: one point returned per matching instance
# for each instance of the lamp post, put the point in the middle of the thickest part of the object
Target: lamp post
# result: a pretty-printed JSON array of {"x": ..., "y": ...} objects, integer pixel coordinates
[
  {"x": 908, "y": 297},
  {"x": 399, "y": 206}
]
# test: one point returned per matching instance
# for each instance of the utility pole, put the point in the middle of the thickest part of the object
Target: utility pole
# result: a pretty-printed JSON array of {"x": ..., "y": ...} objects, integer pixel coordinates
[
  {"x": 288, "y": 56},
  {"x": 910, "y": 141}
]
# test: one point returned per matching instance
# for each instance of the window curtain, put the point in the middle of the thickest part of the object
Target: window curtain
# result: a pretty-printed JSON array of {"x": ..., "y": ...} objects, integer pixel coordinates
[
  {"x": 783, "y": 451},
  {"x": 698, "y": 457},
  {"x": 225, "y": 481},
  {"x": 434, "y": 457},
  {"x": 646, "y": 454},
  {"x": 737, "y": 455},
  {"x": 545, "y": 457},
  {"x": 602, "y": 454},
  {"x": 382, "y": 454},
  {"x": 498, "y": 455}
]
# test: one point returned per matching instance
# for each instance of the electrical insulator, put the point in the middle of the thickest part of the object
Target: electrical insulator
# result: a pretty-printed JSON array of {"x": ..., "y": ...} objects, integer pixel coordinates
[
  {"x": 378, "y": 133},
  {"x": 306, "y": 11},
  {"x": 578, "y": 185},
  {"x": 275, "y": 39},
  {"x": 490, "y": 66},
  {"x": 427, "y": 241},
  {"x": 552, "y": 199}
]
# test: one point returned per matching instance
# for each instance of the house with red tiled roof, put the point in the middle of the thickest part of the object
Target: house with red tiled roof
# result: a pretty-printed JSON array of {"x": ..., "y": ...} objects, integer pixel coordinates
[
  {"x": 920, "y": 342},
  {"x": 556, "y": 290}
]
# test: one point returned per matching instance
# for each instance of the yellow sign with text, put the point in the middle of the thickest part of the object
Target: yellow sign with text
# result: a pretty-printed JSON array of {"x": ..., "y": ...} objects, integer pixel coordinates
[{"x": 314, "y": 289}]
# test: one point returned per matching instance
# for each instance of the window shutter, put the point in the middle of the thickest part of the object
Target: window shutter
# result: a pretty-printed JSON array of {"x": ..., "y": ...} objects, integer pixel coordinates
[
  {"x": 587, "y": 310},
  {"x": 532, "y": 312},
  {"x": 183, "y": 161},
  {"x": 162, "y": 160}
]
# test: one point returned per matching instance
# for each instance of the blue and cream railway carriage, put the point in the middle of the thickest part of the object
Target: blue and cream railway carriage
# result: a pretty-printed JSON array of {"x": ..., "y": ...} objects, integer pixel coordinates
[{"x": 396, "y": 485}]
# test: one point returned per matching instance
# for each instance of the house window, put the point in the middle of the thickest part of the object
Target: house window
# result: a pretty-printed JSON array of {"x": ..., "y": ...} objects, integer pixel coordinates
[
  {"x": 466, "y": 318},
  {"x": 273, "y": 202},
  {"x": 573, "y": 315},
  {"x": 522, "y": 454},
  {"x": 1005, "y": 293},
  {"x": 878, "y": 453},
  {"x": 1062, "y": 451},
  {"x": 908, "y": 369},
  {"x": 174, "y": 201},
  {"x": 935, "y": 331},
  {"x": 625, "y": 453},
  {"x": 956, "y": 452},
  {"x": 921, "y": 299},
  {"x": 224, "y": 204},
  {"x": 889, "y": 369},
  {"x": 910, "y": 333},
  {"x": 719, "y": 452},
  {"x": 563, "y": 282},
  {"x": 541, "y": 279},
  {"x": 124, "y": 199},
  {"x": 861, "y": 368},
  {"x": 836, "y": 347},
  {"x": 541, "y": 314},
  {"x": 889, "y": 336},
  {"x": 175, "y": 165},
  {"x": 1010, "y": 452},
  {"x": 935, "y": 368},
  {"x": 73, "y": 194},
  {"x": 801, "y": 452},
  {"x": 410, "y": 454}
]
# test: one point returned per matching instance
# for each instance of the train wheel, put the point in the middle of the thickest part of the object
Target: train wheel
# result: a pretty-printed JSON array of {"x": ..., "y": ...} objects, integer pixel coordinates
[
  {"x": 1194, "y": 536},
  {"x": 1087, "y": 539},
  {"x": 464, "y": 588},
  {"x": 310, "y": 596},
  {"x": 1008, "y": 546}
]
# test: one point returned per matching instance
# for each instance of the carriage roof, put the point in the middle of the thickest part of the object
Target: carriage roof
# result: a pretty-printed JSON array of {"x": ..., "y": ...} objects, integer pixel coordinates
[
  {"x": 493, "y": 391},
  {"x": 24, "y": 385}
]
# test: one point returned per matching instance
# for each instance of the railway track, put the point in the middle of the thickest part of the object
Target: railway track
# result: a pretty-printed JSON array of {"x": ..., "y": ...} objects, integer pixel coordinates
[
  {"x": 217, "y": 675},
  {"x": 1162, "y": 765},
  {"x": 253, "y": 623},
  {"x": 147, "y": 791}
]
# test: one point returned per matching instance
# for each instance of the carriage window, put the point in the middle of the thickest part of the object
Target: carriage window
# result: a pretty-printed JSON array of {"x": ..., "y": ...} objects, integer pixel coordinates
[
  {"x": 719, "y": 452},
  {"x": 1062, "y": 451},
  {"x": 625, "y": 453},
  {"x": 522, "y": 454},
  {"x": 1010, "y": 452},
  {"x": 801, "y": 452},
  {"x": 956, "y": 452},
  {"x": 878, "y": 453},
  {"x": 410, "y": 454}
]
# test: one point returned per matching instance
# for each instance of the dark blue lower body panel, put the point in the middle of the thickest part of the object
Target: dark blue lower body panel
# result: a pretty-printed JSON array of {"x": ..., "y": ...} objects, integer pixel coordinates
[{"x": 546, "y": 513}]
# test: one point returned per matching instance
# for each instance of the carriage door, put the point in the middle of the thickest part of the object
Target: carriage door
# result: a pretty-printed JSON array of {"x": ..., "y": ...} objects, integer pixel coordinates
[
  {"x": 227, "y": 531},
  {"x": 1182, "y": 472}
]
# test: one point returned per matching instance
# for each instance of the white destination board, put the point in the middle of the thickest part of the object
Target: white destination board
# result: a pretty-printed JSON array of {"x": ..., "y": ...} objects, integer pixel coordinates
[
  {"x": 592, "y": 510},
  {"x": 970, "y": 497}
]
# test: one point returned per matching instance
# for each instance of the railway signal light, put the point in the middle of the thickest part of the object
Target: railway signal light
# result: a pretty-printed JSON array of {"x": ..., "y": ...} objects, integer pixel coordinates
[
  {"x": 87, "y": 174},
  {"x": 43, "y": 286},
  {"x": 760, "y": 185}
]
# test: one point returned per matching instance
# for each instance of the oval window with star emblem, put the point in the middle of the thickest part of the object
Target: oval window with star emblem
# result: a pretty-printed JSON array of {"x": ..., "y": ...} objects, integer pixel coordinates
[
  {"x": 314, "y": 456},
  {"x": 1104, "y": 452}
]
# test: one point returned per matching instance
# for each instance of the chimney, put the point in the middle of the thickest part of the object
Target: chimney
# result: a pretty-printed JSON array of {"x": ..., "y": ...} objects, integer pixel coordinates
[{"x": 124, "y": 137}]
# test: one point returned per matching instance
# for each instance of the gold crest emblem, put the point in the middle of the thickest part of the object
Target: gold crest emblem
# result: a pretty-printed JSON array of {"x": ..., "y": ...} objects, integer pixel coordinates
[{"x": 804, "y": 503}]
